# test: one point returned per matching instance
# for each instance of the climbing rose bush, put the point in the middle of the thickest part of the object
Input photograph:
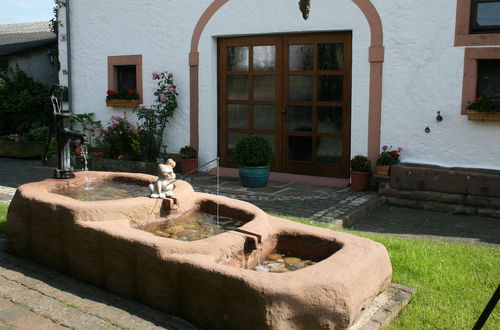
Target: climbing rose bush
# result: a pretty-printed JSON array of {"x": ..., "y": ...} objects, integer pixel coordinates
[{"x": 154, "y": 119}]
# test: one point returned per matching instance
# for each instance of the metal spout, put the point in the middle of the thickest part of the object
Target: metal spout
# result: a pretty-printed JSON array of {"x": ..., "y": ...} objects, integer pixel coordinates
[{"x": 69, "y": 134}]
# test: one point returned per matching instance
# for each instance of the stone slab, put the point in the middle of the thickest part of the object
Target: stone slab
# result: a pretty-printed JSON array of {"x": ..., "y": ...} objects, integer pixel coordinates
[{"x": 384, "y": 308}]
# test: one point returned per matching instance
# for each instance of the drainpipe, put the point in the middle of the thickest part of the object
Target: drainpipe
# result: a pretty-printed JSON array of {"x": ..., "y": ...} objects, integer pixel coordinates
[{"x": 68, "y": 55}]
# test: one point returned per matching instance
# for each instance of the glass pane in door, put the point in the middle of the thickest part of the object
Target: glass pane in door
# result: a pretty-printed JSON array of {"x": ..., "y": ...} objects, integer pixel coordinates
[
  {"x": 300, "y": 57},
  {"x": 264, "y": 58},
  {"x": 263, "y": 116},
  {"x": 237, "y": 116},
  {"x": 330, "y": 120},
  {"x": 329, "y": 150},
  {"x": 330, "y": 88},
  {"x": 331, "y": 56},
  {"x": 237, "y": 59},
  {"x": 264, "y": 88},
  {"x": 299, "y": 119},
  {"x": 300, "y": 88},
  {"x": 237, "y": 88},
  {"x": 300, "y": 148}
]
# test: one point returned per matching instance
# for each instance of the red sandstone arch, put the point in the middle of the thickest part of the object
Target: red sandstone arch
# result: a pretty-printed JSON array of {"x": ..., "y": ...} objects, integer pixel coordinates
[{"x": 375, "y": 57}]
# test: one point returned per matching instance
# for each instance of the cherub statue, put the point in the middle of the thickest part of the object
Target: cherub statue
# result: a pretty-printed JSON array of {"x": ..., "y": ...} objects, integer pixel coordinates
[{"x": 163, "y": 187}]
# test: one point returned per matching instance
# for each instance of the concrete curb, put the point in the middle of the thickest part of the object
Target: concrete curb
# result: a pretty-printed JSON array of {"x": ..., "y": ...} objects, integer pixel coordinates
[{"x": 384, "y": 308}]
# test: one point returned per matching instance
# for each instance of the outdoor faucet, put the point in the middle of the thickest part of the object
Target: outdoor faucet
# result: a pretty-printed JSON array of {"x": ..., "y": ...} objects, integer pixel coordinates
[
  {"x": 69, "y": 134},
  {"x": 64, "y": 135}
]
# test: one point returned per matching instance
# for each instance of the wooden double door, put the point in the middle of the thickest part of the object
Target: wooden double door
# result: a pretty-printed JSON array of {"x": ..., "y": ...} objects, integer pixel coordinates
[{"x": 294, "y": 90}]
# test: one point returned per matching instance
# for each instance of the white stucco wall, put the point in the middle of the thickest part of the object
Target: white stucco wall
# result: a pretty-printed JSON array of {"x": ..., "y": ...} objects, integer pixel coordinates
[
  {"x": 423, "y": 74},
  {"x": 422, "y": 69}
]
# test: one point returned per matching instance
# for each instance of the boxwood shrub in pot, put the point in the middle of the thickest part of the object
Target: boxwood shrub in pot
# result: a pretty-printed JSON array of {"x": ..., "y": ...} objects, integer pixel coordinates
[
  {"x": 253, "y": 153},
  {"x": 360, "y": 172}
]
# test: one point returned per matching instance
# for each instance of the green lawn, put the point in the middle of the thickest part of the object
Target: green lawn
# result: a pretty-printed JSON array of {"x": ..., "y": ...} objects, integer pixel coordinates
[
  {"x": 454, "y": 282},
  {"x": 3, "y": 216}
]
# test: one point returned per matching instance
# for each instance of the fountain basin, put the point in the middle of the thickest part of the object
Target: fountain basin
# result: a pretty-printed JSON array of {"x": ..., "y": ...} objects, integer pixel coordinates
[{"x": 209, "y": 281}]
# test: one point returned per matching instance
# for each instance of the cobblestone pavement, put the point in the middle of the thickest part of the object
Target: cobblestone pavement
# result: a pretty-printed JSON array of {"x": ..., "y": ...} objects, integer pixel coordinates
[
  {"x": 323, "y": 204},
  {"x": 14, "y": 172},
  {"x": 34, "y": 297},
  {"x": 438, "y": 226}
]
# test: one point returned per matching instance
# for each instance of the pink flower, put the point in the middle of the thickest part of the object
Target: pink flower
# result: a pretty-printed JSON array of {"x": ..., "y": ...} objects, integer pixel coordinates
[
  {"x": 170, "y": 74},
  {"x": 162, "y": 97},
  {"x": 155, "y": 75},
  {"x": 171, "y": 89}
]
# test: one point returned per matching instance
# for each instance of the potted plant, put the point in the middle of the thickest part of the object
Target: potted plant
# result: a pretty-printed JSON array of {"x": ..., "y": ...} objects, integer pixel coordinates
[
  {"x": 188, "y": 159},
  {"x": 389, "y": 156},
  {"x": 122, "y": 98},
  {"x": 483, "y": 108},
  {"x": 360, "y": 172},
  {"x": 253, "y": 153}
]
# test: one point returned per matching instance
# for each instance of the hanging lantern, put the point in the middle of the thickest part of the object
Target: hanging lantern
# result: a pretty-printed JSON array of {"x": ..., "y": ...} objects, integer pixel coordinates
[{"x": 305, "y": 8}]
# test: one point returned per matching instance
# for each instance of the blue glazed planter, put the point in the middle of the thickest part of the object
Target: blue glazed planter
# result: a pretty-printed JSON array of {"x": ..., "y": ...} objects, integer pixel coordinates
[{"x": 254, "y": 176}]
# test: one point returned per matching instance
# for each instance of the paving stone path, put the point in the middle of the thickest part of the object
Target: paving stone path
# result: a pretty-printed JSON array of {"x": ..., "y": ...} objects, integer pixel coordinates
[
  {"x": 34, "y": 297},
  {"x": 323, "y": 204}
]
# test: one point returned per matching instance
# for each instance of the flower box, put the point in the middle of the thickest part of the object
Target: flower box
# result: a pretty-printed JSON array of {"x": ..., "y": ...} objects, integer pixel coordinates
[
  {"x": 478, "y": 115},
  {"x": 122, "y": 103}
]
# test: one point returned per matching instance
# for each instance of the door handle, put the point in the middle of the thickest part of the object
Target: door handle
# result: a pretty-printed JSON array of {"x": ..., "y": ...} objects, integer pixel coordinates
[{"x": 284, "y": 113}]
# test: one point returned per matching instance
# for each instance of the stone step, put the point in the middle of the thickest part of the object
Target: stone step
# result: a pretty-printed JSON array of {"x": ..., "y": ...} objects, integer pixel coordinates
[
  {"x": 442, "y": 202},
  {"x": 447, "y": 198},
  {"x": 444, "y": 189},
  {"x": 454, "y": 180}
]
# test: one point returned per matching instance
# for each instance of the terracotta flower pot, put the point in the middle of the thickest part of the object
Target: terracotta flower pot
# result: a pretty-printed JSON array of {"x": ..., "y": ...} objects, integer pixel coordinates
[
  {"x": 360, "y": 180},
  {"x": 188, "y": 165},
  {"x": 383, "y": 170}
]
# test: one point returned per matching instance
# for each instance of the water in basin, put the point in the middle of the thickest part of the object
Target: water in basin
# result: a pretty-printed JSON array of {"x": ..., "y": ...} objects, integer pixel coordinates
[
  {"x": 105, "y": 191},
  {"x": 277, "y": 262},
  {"x": 192, "y": 226}
]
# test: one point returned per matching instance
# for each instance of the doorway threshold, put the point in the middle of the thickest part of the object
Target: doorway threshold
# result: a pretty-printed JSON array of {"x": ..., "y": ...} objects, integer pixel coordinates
[{"x": 288, "y": 177}]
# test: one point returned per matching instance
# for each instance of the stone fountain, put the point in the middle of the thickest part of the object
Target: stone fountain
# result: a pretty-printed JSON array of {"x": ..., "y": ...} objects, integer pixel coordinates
[{"x": 314, "y": 278}]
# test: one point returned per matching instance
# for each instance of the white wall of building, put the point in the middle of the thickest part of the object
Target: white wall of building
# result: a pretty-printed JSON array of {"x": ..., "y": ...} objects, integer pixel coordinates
[
  {"x": 422, "y": 69},
  {"x": 423, "y": 74}
]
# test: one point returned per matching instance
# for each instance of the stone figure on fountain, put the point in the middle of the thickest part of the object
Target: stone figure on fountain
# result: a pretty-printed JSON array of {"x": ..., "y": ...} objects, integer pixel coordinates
[{"x": 163, "y": 187}]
